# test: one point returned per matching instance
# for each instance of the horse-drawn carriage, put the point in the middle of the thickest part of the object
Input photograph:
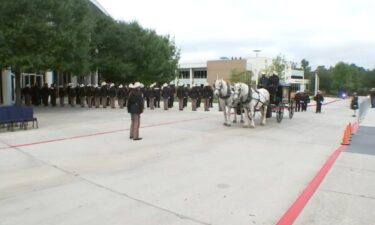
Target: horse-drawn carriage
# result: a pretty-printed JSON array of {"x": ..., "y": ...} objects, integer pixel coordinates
[
  {"x": 280, "y": 99},
  {"x": 264, "y": 100}
]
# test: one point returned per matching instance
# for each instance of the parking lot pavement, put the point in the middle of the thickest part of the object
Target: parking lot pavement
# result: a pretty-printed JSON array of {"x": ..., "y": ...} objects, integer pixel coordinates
[{"x": 80, "y": 167}]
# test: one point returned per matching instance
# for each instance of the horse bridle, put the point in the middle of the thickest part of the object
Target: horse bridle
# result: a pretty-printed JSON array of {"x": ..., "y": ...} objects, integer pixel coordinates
[{"x": 221, "y": 88}]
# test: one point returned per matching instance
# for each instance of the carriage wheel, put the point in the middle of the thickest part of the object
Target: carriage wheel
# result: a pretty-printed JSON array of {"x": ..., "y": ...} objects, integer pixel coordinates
[
  {"x": 291, "y": 110},
  {"x": 280, "y": 112}
]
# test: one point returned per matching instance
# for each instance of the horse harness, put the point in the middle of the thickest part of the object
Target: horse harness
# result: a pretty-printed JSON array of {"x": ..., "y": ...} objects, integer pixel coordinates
[
  {"x": 227, "y": 95},
  {"x": 249, "y": 97}
]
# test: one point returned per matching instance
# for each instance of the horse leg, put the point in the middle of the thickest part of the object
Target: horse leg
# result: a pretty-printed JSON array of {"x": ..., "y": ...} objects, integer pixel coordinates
[
  {"x": 251, "y": 112},
  {"x": 263, "y": 112},
  {"x": 235, "y": 115},
  {"x": 242, "y": 121},
  {"x": 247, "y": 119},
  {"x": 228, "y": 116}
]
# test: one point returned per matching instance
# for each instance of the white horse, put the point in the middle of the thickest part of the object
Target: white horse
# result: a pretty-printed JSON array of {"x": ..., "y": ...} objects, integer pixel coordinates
[
  {"x": 252, "y": 100},
  {"x": 225, "y": 96}
]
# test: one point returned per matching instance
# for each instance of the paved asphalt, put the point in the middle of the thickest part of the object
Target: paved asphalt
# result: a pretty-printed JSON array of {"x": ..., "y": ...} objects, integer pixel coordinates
[{"x": 80, "y": 167}]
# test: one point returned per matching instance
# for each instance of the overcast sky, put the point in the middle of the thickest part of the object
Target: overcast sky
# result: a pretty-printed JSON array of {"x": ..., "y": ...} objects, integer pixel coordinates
[{"x": 322, "y": 31}]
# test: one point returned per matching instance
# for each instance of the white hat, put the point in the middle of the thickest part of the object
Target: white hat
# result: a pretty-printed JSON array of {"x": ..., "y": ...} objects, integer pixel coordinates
[
  {"x": 131, "y": 85},
  {"x": 70, "y": 84},
  {"x": 82, "y": 85},
  {"x": 206, "y": 84},
  {"x": 141, "y": 85},
  {"x": 137, "y": 85},
  {"x": 120, "y": 86},
  {"x": 89, "y": 85},
  {"x": 181, "y": 84},
  {"x": 112, "y": 85},
  {"x": 104, "y": 83},
  {"x": 165, "y": 85},
  {"x": 95, "y": 85}
]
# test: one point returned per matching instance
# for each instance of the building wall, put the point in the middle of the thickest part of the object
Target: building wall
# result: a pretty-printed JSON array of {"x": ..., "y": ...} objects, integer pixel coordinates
[{"x": 223, "y": 68}]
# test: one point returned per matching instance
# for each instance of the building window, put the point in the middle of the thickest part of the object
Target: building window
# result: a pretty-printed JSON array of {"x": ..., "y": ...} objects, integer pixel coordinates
[
  {"x": 296, "y": 77},
  {"x": 200, "y": 74},
  {"x": 184, "y": 74}
]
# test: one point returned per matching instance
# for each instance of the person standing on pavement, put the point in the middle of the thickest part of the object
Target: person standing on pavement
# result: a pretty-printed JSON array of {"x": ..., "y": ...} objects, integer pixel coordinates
[
  {"x": 135, "y": 108},
  {"x": 194, "y": 94},
  {"x": 354, "y": 104},
  {"x": 165, "y": 93},
  {"x": 206, "y": 96},
  {"x": 297, "y": 99},
  {"x": 181, "y": 94},
  {"x": 319, "y": 99},
  {"x": 305, "y": 98}
]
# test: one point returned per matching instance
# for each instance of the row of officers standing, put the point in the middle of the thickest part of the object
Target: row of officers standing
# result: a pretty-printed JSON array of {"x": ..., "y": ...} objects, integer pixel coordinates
[{"x": 108, "y": 94}]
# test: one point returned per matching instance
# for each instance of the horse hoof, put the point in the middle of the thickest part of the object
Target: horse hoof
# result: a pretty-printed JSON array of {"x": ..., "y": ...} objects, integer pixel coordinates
[
  {"x": 226, "y": 124},
  {"x": 234, "y": 121},
  {"x": 242, "y": 121},
  {"x": 263, "y": 124},
  {"x": 252, "y": 126},
  {"x": 245, "y": 126}
]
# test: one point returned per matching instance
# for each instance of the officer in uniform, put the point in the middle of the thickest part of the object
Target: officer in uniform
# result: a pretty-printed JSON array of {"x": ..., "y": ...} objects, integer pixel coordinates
[
  {"x": 151, "y": 96},
  {"x": 112, "y": 95},
  {"x": 263, "y": 81},
  {"x": 181, "y": 95},
  {"x": 90, "y": 95},
  {"x": 67, "y": 91},
  {"x": 97, "y": 95},
  {"x": 45, "y": 94},
  {"x": 126, "y": 96},
  {"x": 354, "y": 104},
  {"x": 211, "y": 94},
  {"x": 62, "y": 95},
  {"x": 104, "y": 94},
  {"x": 305, "y": 98},
  {"x": 27, "y": 95},
  {"x": 165, "y": 93},
  {"x": 319, "y": 101},
  {"x": 172, "y": 89},
  {"x": 82, "y": 95},
  {"x": 72, "y": 96},
  {"x": 53, "y": 94},
  {"x": 273, "y": 84},
  {"x": 297, "y": 99},
  {"x": 157, "y": 95},
  {"x": 194, "y": 95},
  {"x": 135, "y": 108},
  {"x": 206, "y": 93},
  {"x": 120, "y": 96},
  {"x": 187, "y": 91}
]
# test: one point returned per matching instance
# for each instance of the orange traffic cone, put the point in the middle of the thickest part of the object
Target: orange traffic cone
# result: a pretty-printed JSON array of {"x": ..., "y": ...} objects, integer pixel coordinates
[{"x": 345, "y": 138}]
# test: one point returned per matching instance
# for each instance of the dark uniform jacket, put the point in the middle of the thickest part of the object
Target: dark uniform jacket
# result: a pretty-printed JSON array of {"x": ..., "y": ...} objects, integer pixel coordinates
[
  {"x": 121, "y": 93},
  {"x": 90, "y": 91},
  {"x": 97, "y": 92},
  {"x": 166, "y": 92},
  {"x": 181, "y": 92},
  {"x": 112, "y": 92},
  {"x": 206, "y": 92},
  {"x": 194, "y": 93},
  {"x": 354, "y": 103},
  {"x": 263, "y": 82},
  {"x": 151, "y": 93},
  {"x": 104, "y": 91},
  {"x": 319, "y": 98},
  {"x": 62, "y": 92},
  {"x": 135, "y": 102},
  {"x": 82, "y": 92}
]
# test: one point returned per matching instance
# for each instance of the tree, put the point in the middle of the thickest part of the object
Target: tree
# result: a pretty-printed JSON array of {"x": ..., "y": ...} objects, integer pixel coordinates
[
  {"x": 342, "y": 75},
  {"x": 306, "y": 68},
  {"x": 39, "y": 35},
  {"x": 279, "y": 65},
  {"x": 237, "y": 76}
]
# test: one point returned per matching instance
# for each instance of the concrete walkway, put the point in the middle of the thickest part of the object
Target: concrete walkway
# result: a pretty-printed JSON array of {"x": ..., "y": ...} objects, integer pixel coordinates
[
  {"x": 347, "y": 195},
  {"x": 80, "y": 167}
]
